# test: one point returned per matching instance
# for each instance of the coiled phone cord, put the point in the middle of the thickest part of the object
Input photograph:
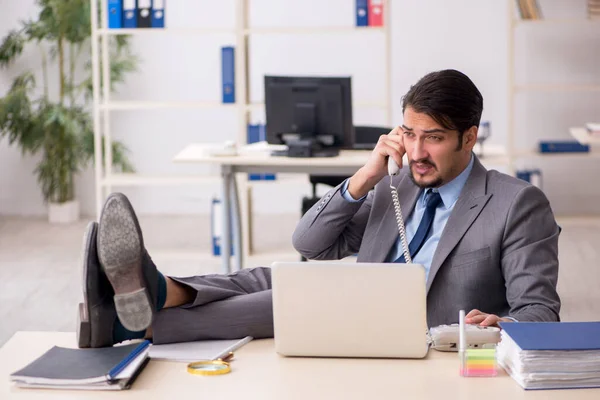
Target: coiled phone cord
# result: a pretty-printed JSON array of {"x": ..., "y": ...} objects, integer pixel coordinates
[{"x": 400, "y": 221}]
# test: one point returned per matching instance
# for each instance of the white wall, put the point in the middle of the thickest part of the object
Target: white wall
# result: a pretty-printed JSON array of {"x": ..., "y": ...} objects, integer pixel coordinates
[{"x": 469, "y": 35}]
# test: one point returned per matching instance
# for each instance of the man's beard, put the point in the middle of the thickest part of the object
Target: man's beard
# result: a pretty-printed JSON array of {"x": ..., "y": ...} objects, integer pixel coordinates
[{"x": 436, "y": 183}]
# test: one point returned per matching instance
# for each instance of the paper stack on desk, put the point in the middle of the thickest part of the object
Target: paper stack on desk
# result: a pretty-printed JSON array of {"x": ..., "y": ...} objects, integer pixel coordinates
[
  {"x": 196, "y": 351},
  {"x": 551, "y": 355}
]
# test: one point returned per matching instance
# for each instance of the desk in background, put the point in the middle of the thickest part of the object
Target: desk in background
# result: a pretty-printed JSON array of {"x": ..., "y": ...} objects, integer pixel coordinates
[
  {"x": 259, "y": 373},
  {"x": 345, "y": 164}
]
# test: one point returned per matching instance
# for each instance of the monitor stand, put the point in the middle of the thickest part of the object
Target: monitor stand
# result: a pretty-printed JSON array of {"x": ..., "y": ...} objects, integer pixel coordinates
[{"x": 309, "y": 147}]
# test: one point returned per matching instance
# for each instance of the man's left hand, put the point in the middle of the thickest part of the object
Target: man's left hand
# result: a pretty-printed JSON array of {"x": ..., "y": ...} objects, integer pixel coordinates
[{"x": 483, "y": 319}]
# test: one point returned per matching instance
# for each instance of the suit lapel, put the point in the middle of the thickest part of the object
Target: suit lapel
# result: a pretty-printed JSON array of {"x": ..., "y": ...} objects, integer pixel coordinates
[
  {"x": 387, "y": 234},
  {"x": 469, "y": 205}
]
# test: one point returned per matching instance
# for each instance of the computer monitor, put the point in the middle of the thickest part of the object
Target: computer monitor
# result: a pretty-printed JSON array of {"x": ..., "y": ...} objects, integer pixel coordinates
[{"x": 312, "y": 115}]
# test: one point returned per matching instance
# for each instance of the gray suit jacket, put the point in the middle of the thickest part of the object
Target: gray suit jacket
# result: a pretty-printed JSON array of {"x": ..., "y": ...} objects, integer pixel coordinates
[{"x": 498, "y": 252}]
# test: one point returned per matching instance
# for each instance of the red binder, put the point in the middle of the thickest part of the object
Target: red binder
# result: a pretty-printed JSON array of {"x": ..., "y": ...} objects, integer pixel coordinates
[{"x": 375, "y": 13}]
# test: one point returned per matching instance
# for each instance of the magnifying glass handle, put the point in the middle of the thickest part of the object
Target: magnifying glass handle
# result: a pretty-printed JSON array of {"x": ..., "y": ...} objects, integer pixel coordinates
[{"x": 227, "y": 357}]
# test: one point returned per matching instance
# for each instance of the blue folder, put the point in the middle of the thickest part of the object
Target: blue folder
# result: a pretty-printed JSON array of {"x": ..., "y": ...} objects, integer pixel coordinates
[
  {"x": 362, "y": 14},
  {"x": 554, "y": 335},
  {"x": 228, "y": 74},
  {"x": 115, "y": 14},
  {"x": 253, "y": 137},
  {"x": 563, "y": 147},
  {"x": 158, "y": 13},
  {"x": 129, "y": 14}
]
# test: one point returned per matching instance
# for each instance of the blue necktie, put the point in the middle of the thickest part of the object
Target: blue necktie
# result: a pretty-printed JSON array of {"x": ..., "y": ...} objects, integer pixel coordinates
[{"x": 433, "y": 201}]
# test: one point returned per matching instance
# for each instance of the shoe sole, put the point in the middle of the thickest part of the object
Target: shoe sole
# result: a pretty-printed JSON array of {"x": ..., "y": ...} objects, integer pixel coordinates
[
  {"x": 120, "y": 253},
  {"x": 84, "y": 331}
]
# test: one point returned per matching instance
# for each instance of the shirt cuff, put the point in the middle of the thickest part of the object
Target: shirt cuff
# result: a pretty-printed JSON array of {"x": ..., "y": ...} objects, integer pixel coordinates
[
  {"x": 511, "y": 318},
  {"x": 346, "y": 195}
]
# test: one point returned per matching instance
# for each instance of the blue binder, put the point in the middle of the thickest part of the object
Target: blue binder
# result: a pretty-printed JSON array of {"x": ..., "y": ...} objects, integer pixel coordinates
[
  {"x": 563, "y": 147},
  {"x": 228, "y": 74},
  {"x": 554, "y": 335},
  {"x": 262, "y": 135},
  {"x": 216, "y": 228},
  {"x": 129, "y": 14},
  {"x": 115, "y": 15},
  {"x": 533, "y": 176},
  {"x": 362, "y": 13},
  {"x": 253, "y": 137},
  {"x": 158, "y": 13},
  {"x": 258, "y": 133}
]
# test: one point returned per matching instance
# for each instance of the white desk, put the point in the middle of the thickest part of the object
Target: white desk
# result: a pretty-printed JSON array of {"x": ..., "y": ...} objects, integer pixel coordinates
[
  {"x": 259, "y": 373},
  {"x": 345, "y": 164},
  {"x": 348, "y": 162}
]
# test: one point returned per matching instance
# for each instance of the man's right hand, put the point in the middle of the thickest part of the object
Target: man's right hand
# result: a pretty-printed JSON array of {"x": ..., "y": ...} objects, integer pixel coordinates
[{"x": 365, "y": 179}]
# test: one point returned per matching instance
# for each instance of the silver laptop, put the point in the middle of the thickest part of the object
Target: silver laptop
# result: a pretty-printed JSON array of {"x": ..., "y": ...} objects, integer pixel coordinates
[{"x": 341, "y": 309}]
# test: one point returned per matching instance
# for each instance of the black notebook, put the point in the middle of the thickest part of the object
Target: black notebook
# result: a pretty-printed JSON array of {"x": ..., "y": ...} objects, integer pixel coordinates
[{"x": 108, "y": 368}]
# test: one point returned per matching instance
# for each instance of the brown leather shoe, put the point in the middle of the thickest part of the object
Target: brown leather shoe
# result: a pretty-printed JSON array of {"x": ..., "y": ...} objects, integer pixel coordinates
[{"x": 96, "y": 315}]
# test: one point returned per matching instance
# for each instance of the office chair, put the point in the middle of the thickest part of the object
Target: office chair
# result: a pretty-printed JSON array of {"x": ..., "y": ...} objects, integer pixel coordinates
[{"x": 365, "y": 138}]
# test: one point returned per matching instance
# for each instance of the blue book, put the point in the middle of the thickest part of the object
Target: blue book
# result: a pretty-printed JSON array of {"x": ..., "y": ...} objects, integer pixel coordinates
[
  {"x": 253, "y": 137},
  {"x": 115, "y": 15},
  {"x": 228, "y": 71},
  {"x": 362, "y": 13},
  {"x": 158, "y": 13},
  {"x": 129, "y": 14},
  {"x": 563, "y": 147},
  {"x": 554, "y": 335}
]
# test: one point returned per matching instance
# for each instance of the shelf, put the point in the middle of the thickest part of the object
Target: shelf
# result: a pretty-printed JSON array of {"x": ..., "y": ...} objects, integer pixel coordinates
[
  {"x": 251, "y": 31},
  {"x": 312, "y": 30},
  {"x": 532, "y": 153},
  {"x": 159, "y": 180},
  {"x": 283, "y": 178},
  {"x": 556, "y": 21},
  {"x": 545, "y": 87},
  {"x": 148, "y": 105},
  {"x": 155, "y": 31}
]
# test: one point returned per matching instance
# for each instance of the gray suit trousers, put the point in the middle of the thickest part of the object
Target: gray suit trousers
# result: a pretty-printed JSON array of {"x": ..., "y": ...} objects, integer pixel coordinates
[{"x": 226, "y": 307}]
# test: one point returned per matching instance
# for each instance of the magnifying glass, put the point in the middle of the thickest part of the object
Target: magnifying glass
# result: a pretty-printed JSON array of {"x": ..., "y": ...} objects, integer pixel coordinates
[{"x": 219, "y": 366}]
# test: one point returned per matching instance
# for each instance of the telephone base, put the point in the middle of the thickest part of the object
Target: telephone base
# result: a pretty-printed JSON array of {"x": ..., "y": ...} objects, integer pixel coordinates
[{"x": 446, "y": 337}]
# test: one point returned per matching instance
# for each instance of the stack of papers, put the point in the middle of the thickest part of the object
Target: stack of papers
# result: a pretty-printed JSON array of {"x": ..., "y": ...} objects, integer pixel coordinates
[
  {"x": 196, "y": 351},
  {"x": 109, "y": 368},
  {"x": 551, "y": 355}
]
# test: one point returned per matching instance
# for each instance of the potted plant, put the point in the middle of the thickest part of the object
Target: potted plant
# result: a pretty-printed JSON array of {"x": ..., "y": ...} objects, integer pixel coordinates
[{"x": 58, "y": 126}]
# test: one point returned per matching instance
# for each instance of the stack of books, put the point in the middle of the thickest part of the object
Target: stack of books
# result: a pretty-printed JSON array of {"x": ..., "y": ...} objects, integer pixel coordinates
[
  {"x": 551, "y": 355},
  {"x": 109, "y": 368}
]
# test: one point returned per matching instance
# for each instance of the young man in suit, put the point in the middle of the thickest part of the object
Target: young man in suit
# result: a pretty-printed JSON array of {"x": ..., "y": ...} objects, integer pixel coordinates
[{"x": 488, "y": 241}]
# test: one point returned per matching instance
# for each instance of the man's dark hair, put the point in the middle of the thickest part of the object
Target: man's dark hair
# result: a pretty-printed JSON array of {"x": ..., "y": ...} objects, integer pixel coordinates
[{"x": 449, "y": 97}]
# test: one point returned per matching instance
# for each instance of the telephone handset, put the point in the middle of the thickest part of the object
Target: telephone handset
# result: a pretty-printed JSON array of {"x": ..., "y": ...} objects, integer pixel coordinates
[{"x": 393, "y": 169}]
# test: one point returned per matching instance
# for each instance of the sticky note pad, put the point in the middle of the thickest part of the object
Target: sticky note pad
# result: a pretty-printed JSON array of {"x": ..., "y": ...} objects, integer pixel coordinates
[{"x": 479, "y": 362}]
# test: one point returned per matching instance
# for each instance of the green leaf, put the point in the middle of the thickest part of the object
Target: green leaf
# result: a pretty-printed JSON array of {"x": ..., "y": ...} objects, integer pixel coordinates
[
  {"x": 12, "y": 46},
  {"x": 63, "y": 135},
  {"x": 18, "y": 115}
]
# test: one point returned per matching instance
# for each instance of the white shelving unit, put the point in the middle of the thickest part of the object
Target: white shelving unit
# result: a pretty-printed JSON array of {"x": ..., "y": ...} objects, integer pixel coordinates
[
  {"x": 103, "y": 106},
  {"x": 551, "y": 88}
]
